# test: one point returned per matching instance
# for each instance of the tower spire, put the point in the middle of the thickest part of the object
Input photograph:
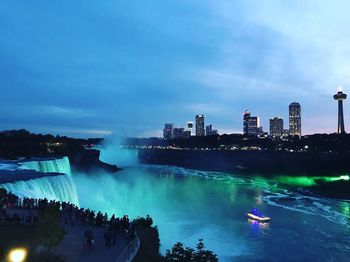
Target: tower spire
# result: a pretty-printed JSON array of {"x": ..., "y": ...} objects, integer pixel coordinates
[{"x": 340, "y": 96}]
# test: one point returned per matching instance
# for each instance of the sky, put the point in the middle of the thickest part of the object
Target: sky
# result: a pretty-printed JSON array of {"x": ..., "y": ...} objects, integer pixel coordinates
[{"x": 100, "y": 68}]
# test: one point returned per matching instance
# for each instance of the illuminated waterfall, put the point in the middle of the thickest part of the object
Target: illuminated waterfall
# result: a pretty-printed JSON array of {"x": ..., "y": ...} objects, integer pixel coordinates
[
  {"x": 59, "y": 187},
  {"x": 59, "y": 165}
]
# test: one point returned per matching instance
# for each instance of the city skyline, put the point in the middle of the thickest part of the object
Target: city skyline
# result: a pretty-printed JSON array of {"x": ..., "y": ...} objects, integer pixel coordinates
[
  {"x": 252, "y": 126},
  {"x": 90, "y": 69}
]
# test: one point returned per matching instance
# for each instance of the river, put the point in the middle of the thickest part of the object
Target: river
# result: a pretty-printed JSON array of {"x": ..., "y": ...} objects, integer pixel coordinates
[{"x": 187, "y": 205}]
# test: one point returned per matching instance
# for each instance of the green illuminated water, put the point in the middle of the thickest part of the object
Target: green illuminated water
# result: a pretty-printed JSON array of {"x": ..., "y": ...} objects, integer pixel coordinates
[
  {"x": 188, "y": 205},
  {"x": 309, "y": 180}
]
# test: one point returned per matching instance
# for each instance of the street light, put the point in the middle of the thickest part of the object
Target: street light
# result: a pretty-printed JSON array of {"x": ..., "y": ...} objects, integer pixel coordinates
[{"x": 17, "y": 255}]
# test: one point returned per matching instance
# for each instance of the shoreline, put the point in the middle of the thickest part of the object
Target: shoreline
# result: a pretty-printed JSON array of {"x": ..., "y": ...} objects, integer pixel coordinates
[
  {"x": 249, "y": 161},
  {"x": 262, "y": 163}
]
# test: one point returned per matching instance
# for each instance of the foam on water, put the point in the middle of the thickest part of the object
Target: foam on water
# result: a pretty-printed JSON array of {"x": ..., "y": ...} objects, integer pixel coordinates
[
  {"x": 273, "y": 194},
  {"x": 326, "y": 208}
]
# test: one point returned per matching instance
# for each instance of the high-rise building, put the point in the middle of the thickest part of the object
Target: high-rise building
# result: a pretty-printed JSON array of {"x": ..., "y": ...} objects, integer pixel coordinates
[
  {"x": 209, "y": 131},
  {"x": 340, "y": 96},
  {"x": 276, "y": 126},
  {"x": 200, "y": 125},
  {"x": 295, "y": 119},
  {"x": 251, "y": 124},
  {"x": 187, "y": 134},
  {"x": 190, "y": 127},
  {"x": 179, "y": 132},
  {"x": 168, "y": 131},
  {"x": 246, "y": 116}
]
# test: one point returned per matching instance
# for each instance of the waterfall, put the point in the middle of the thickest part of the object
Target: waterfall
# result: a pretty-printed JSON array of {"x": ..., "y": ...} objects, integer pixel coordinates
[
  {"x": 58, "y": 165},
  {"x": 60, "y": 187}
]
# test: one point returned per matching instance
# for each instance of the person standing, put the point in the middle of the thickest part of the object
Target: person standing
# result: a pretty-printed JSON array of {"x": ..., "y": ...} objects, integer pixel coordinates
[{"x": 89, "y": 236}]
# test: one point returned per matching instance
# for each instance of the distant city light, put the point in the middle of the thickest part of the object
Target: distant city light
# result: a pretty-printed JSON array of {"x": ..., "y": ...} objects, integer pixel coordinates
[
  {"x": 17, "y": 255},
  {"x": 345, "y": 177}
]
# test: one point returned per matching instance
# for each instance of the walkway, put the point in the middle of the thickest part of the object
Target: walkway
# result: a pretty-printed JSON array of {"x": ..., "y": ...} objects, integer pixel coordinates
[{"x": 73, "y": 247}]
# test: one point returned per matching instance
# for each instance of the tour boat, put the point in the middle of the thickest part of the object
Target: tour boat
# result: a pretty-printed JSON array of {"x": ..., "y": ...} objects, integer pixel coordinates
[{"x": 256, "y": 215}]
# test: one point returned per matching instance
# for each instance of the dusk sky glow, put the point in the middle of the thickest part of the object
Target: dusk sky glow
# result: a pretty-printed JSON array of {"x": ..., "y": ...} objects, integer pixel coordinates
[{"x": 96, "y": 68}]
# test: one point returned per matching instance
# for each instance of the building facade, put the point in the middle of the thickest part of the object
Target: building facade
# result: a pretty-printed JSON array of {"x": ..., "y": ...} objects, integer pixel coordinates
[
  {"x": 209, "y": 131},
  {"x": 187, "y": 134},
  {"x": 179, "y": 132},
  {"x": 251, "y": 124},
  {"x": 168, "y": 131},
  {"x": 246, "y": 116},
  {"x": 200, "y": 131},
  {"x": 295, "y": 119},
  {"x": 276, "y": 126},
  {"x": 190, "y": 127}
]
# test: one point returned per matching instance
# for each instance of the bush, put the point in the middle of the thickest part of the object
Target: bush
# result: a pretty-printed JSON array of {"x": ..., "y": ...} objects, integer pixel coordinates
[
  {"x": 144, "y": 221},
  {"x": 49, "y": 230},
  {"x": 179, "y": 253}
]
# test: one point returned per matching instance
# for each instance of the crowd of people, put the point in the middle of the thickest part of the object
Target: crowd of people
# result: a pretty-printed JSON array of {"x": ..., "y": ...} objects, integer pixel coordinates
[
  {"x": 114, "y": 226},
  {"x": 70, "y": 214}
]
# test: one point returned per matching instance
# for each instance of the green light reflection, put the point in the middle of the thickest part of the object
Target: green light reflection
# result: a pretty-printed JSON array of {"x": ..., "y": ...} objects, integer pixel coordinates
[
  {"x": 345, "y": 208},
  {"x": 309, "y": 180}
]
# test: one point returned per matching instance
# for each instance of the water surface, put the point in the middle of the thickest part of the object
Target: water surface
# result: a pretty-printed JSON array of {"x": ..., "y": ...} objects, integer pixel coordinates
[{"x": 187, "y": 205}]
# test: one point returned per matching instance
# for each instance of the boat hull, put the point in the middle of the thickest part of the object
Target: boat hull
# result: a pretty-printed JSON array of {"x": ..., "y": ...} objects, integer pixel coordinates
[{"x": 258, "y": 218}]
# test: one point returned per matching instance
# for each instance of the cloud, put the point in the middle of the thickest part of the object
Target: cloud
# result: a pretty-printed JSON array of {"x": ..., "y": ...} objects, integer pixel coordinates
[
  {"x": 128, "y": 68},
  {"x": 89, "y": 132},
  {"x": 204, "y": 108}
]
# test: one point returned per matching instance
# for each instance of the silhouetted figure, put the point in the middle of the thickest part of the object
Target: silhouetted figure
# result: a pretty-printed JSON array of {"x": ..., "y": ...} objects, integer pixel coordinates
[
  {"x": 99, "y": 218},
  {"x": 111, "y": 221},
  {"x": 105, "y": 219},
  {"x": 114, "y": 236},
  {"x": 89, "y": 238},
  {"x": 92, "y": 217},
  {"x": 108, "y": 236}
]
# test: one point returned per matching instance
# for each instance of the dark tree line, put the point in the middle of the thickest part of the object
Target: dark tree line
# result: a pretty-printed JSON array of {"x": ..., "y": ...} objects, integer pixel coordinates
[
  {"x": 313, "y": 143},
  {"x": 150, "y": 244},
  {"x": 22, "y": 143}
]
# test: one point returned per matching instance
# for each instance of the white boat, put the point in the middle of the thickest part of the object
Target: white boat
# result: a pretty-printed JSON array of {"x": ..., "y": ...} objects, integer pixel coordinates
[{"x": 256, "y": 215}]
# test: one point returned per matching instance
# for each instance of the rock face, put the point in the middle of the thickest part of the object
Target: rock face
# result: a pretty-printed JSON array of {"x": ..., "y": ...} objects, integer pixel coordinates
[{"x": 89, "y": 160}]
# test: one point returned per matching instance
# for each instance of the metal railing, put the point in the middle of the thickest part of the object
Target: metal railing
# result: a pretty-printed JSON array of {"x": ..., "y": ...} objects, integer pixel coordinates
[{"x": 130, "y": 250}]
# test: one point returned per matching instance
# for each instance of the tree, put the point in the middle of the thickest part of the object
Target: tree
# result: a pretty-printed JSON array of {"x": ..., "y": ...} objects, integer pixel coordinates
[
  {"x": 145, "y": 222},
  {"x": 203, "y": 255},
  {"x": 179, "y": 253},
  {"x": 3, "y": 193},
  {"x": 50, "y": 233},
  {"x": 11, "y": 198}
]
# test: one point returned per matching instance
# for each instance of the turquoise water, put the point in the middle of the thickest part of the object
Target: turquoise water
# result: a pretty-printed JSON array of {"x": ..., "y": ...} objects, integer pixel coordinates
[{"x": 187, "y": 205}]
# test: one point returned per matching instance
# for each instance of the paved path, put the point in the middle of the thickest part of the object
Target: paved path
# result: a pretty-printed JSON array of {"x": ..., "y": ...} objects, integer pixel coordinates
[{"x": 73, "y": 247}]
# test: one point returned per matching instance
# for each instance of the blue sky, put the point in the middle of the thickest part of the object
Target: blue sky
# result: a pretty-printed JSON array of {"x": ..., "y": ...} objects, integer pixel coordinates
[{"x": 95, "y": 68}]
